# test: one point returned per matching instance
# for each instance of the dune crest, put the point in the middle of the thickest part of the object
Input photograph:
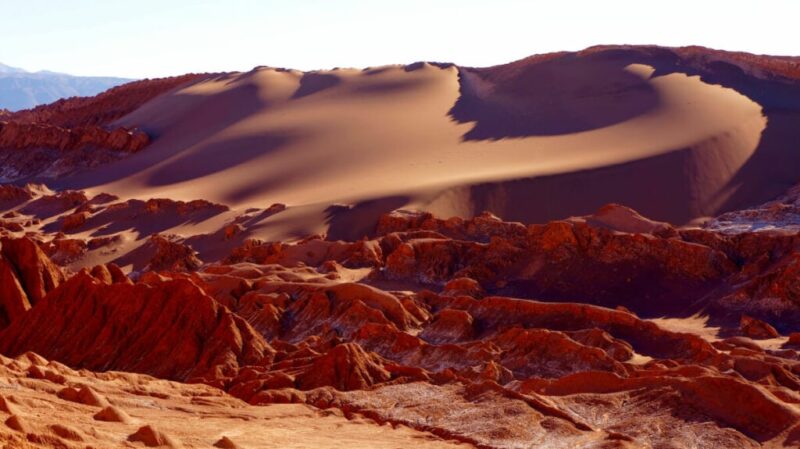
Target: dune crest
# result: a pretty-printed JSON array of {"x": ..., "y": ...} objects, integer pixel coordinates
[{"x": 568, "y": 133}]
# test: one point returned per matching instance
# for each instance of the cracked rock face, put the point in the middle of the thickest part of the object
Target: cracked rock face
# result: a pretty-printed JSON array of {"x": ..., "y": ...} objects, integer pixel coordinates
[{"x": 452, "y": 352}]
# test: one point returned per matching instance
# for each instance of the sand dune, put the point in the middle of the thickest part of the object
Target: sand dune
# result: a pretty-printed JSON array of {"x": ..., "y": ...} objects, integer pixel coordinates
[
  {"x": 194, "y": 258},
  {"x": 533, "y": 140}
]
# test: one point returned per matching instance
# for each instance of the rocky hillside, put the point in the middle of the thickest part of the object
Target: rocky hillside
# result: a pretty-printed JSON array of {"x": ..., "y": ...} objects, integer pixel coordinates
[
  {"x": 76, "y": 133},
  {"x": 469, "y": 329}
]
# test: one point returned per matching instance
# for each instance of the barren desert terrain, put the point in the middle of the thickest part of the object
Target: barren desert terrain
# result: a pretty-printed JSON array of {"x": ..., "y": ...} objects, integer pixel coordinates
[{"x": 594, "y": 249}]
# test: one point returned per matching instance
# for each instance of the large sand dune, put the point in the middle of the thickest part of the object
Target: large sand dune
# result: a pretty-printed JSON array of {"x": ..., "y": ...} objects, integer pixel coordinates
[
  {"x": 537, "y": 139},
  {"x": 190, "y": 256}
]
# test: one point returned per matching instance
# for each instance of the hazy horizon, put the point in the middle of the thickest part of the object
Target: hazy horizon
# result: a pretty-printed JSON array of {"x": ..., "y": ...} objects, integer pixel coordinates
[{"x": 158, "y": 39}]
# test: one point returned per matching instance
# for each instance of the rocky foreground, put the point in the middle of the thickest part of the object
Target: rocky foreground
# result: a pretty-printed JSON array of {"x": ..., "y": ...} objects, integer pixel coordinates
[
  {"x": 603, "y": 331},
  {"x": 46, "y": 404}
]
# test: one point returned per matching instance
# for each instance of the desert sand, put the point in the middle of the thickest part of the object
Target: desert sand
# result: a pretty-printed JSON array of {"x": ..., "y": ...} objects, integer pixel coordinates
[
  {"x": 47, "y": 404},
  {"x": 420, "y": 255},
  {"x": 574, "y": 134}
]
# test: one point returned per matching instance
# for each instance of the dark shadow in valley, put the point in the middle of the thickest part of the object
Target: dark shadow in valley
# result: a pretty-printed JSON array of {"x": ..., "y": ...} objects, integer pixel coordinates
[
  {"x": 774, "y": 167},
  {"x": 565, "y": 95},
  {"x": 648, "y": 186},
  {"x": 578, "y": 92},
  {"x": 134, "y": 215},
  {"x": 355, "y": 222},
  {"x": 649, "y": 292}
]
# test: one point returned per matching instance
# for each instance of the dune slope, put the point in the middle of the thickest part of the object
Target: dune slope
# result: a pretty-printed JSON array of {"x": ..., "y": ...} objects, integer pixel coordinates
[{"x": 538, "y": 139}]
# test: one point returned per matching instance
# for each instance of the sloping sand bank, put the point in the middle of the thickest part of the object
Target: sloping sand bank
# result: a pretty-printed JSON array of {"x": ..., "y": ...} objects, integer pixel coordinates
[{"x": 534, "y": 140}]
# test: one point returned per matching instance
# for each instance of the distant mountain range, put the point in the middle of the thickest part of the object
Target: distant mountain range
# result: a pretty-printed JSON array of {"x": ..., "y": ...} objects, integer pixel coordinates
[{"x": 20, "y": 89}]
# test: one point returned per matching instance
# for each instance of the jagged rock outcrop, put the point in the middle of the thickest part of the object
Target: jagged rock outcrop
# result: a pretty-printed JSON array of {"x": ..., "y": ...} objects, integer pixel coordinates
[
  {"x": 36, "y": 273},
  {"x": 564, "y": 259},
  {"x": 313, "y": 322},
  {"x": 345, "y": 367},
  {"x": 11, "y": 195},
  {"x": 317, "y": 321},
  {"x": 172, "y": 256},
  {"x": 757, "y": 329},
  {"x": 14, "y": 300},
  {"x": 21, "y": 136},
  {"x": 312, "y": 251},
  {"x": 171, "y": 330},
  {"x": 613, "y": 258},
  {"x": 521, "y": 347}
]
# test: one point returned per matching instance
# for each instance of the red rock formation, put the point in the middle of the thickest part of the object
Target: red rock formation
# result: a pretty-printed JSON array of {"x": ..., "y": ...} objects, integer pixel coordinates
[
  {"x": 101, "y": 109},
  {"x": 182, "y": 208},
  {"x": 589, "y": 259},
  {"x": 311, "y": 251},
  {"x": 74, "y": 221},
  {"x": 287, "y": 323},
  {"x": 172, "y": 256},
  {"x": 11, "y": 195},
  {"x": 14, "y": 300},
  {"x": 345, "y": 367},
  {"x": 21, "y": 136},
  {"x": 36, "y": 273},
  {"x": 170, "y": 330},
  {"x": 559, "y": 260},
  {"x": 757, "y": 329},
  {"x": 26, "y": 275},
  {"x": 516, "y": 341},
  {"x": 152, "y": 437},
  {"x": 63, "y": 251},
  {"x": 463, "y": 287},
  {"x": 450, "y": 325},
  {"x": 720, "y": 397}
]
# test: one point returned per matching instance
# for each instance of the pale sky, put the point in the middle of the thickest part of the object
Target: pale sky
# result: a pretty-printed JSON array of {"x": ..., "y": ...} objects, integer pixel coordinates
[{"x": 149, "y": 38}]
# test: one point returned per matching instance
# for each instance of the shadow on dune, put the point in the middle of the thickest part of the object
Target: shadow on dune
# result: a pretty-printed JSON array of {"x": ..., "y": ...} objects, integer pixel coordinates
[
  {"x": 775, "y": 165},
  {"x": 44, "y": 208},
  {"x": 568, "y": 94},
  {"x": 547, "y": 98},
  {"x": 354, "y": 222},
  {"x": 216, "y": 157},
  {"x": 313, "y": 82},
  {"x": 182, "y": 121},
  {"x": 559, "y": 94},
  {"x": 546, "y": 198},
  {"x": 773, "y": 168},
  {"x": 134, "y": 215},
  {"x": 137, "y": 259}
]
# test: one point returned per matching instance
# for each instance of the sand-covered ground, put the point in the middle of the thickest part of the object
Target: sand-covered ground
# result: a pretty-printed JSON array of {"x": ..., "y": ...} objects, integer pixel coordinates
[
  {"x": 319, "y": 238},
  {"x": 530, "y": 141},
  {"x": 44, "y": 404}
]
